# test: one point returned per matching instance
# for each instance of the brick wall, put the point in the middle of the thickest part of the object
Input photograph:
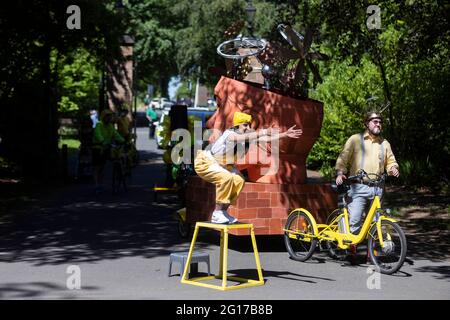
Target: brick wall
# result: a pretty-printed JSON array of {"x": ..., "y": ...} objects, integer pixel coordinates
[{"x": 266, "y": 206}]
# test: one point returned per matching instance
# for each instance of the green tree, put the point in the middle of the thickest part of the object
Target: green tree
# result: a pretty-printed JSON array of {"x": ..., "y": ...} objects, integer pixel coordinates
[
  {"x": 154, "y": 26},
  {"x": 203, "y": 32},
  {"x": 183, "y": 91},
  {"x": 410, "y": 53},
  {"x": 34, "y": 37},
  {"x": 78, "y": 82},
  {"x": 344, "y": 92}
]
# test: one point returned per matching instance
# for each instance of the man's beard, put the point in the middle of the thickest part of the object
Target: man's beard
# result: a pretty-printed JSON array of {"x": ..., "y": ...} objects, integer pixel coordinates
[{"x": 375, "y": 131}]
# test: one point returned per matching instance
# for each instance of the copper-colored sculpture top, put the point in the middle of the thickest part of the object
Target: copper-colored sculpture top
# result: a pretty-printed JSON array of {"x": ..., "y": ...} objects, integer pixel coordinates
[{"x": 270, "y": 109}]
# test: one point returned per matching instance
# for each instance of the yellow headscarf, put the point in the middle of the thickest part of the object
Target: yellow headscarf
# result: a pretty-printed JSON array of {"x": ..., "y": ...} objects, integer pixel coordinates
[{"x": 240, "y": 118}]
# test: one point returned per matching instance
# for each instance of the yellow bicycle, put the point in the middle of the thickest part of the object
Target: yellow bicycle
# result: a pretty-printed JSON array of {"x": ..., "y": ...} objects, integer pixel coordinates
[{"x": 386, "y": 240}]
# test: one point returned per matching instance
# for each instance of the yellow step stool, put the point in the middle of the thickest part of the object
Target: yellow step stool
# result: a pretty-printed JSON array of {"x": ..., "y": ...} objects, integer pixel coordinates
[{"x": 224, "y": 230}]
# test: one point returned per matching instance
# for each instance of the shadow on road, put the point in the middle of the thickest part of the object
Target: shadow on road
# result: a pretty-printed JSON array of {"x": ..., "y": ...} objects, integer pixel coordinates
[
  {"x": 73, "y": 224},
  {"x": 32, "y": 290},
  {"x": 267, "y": 274},
  {"x": 443, "y": 272}
]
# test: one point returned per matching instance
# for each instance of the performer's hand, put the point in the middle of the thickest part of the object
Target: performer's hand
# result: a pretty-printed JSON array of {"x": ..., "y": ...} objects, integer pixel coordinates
[
  {"x": 294, "y": 133},
  {"x": 340, "y": 179},
  {"x": 394, "y": 172}
]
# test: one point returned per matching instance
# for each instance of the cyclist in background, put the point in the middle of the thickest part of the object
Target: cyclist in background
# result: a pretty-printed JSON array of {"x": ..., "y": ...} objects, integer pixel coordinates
[
  {"x": 124, "y": 127},
  {"x": 124, "y": 124},
  {"x": 152, "y": 117},
  {"x": 104, "y": 135}
]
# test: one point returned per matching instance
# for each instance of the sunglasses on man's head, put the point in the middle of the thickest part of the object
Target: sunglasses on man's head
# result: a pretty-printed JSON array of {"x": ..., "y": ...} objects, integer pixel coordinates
[
  {"x": 377, "y": 121},
  {"x": 247, "y": 125}
]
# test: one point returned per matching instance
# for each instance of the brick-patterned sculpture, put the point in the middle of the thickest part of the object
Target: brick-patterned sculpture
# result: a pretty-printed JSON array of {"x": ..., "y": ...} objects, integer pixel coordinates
[
  {"x": 267, "y": 199},
  {"x": 271, "y": 109}
]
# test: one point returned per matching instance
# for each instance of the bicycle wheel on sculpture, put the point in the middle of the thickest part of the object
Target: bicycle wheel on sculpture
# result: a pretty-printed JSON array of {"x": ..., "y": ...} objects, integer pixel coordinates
[
  {"x": 299, "y": 236},
  {"x": 232, "y": 49},
  {"x": 389, "y": 258}
]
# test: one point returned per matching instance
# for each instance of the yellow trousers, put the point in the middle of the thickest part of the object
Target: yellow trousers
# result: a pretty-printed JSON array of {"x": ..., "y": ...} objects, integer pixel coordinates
[{"x": 227, "y": 179}]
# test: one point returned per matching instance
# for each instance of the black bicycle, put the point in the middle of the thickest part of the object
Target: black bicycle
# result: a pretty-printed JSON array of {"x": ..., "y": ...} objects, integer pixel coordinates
[{"x": 120, "y": 168}]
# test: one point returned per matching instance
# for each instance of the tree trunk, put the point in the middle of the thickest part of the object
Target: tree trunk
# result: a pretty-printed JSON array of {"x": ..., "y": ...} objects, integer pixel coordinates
[
  {"x": 164, "y": 86},
  {"x": 388, "y": 99},
  {"x": 50, "y": 109}
]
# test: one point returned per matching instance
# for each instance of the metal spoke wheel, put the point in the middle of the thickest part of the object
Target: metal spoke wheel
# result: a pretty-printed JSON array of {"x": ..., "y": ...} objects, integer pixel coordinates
[
  {"x": 390, "y": 257},
  {"x": 299, "y": 236},
  {"x": 230, "y": 48}
]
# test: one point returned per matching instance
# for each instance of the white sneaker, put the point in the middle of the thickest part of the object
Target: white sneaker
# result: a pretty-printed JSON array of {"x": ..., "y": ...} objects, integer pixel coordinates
[
  {"x": 230, "y": 218},
  {"x": 219, "y": 217}
]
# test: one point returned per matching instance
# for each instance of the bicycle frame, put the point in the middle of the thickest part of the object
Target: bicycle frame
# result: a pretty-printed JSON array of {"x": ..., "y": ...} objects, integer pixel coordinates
[
  {"x": 119, "y": 161},
  {"x": 330, "y": 232},
  {"x": 386, "y": 245}
]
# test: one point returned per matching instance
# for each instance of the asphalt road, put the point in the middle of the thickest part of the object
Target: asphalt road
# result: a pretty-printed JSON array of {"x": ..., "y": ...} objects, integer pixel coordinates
[{"x": 72, "y": 244}]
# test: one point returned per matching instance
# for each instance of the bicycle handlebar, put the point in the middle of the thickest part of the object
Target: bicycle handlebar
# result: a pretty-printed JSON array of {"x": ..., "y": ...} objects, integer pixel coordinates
[{"x": 361, "y": 174}]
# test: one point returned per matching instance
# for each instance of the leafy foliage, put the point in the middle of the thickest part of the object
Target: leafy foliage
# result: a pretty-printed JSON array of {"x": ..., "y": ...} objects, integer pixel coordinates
[
  {"x": 35, "y": 40},
  {"x": 344, "y": 93},
  {"x": 44, "y": 66},
  {"x": 407, "y": 64},
  {"x": 154, "y": 26},
  {"x": 78, "y": 81}
]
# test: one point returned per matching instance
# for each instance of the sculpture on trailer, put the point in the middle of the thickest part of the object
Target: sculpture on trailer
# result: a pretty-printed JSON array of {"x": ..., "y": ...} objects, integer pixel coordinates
[
  {"x": 282, "y": 66},
  {"x": 269, "y": 81}
]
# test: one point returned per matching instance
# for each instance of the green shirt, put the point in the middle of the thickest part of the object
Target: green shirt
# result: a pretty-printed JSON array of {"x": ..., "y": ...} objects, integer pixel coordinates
[
  {"x": 152, "y": 114},
  {"x": 106, "y": 134}
]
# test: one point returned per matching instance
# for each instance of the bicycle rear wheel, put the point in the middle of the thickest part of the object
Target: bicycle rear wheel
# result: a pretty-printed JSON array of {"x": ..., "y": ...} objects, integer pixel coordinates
[
  {"x": 298, "y": 236},
  {"x": 389, "y": 258}
]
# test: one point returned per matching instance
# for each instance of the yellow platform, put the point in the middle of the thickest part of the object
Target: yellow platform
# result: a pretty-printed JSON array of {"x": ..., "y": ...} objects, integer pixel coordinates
[{"x": 223, "y": 269}]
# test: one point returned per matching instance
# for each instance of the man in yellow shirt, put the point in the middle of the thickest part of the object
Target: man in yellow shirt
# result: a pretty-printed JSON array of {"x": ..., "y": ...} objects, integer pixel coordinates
[{"x": 372, "y": 153}]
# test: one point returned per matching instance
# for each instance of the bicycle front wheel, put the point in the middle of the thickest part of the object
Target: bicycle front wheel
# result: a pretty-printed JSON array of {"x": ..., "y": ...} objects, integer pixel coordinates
[
  {"x": 299, "y": 236},
  {"x": 333, "y": 249},
  {"x": 390, "y": 257},
  {"x": 184, "y": 229}
]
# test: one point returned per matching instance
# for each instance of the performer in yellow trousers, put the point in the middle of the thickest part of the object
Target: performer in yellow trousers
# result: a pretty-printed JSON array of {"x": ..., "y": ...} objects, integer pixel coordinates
[{"x": 216, "y": 165}]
